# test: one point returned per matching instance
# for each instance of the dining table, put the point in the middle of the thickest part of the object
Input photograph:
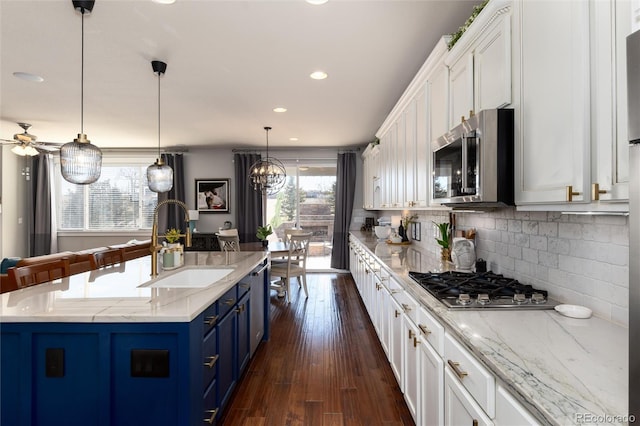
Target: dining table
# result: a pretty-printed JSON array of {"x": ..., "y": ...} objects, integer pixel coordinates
[{"x": 277, "y": 250}]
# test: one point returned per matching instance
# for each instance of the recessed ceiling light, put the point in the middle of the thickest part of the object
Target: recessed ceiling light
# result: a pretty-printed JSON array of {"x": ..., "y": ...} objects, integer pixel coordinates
[
  {"x": 279, "y": 109},
  {"x": 318, "y": 75},
  {"x": 293, "y": 139},
  {"x": 28, "y": 77},
  {"x": 164, "y": 1},
  {"x": 317, "y": 2}
]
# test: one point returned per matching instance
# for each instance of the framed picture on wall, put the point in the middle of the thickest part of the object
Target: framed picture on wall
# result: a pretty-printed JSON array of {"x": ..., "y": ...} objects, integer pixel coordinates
[{"x": 212, "y": 195}]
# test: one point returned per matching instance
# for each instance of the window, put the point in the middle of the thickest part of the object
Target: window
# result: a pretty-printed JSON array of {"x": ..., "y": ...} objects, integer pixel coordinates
[{"x": 119, "y": 200}]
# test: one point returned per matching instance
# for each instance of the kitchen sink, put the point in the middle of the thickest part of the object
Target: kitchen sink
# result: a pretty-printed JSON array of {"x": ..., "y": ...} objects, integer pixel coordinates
[{"x": 189, "y": 278}]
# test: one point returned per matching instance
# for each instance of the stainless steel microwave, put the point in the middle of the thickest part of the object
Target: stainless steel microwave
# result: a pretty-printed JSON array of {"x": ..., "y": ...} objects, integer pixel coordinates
[{"x": 473, "y": 163}]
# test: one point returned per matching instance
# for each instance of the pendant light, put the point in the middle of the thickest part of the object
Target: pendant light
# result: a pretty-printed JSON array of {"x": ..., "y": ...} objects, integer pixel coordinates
[
  {"x": 80, "y": 161},
  {"x": 159, "y": 175},
  {"x": 267, "y": 175}
]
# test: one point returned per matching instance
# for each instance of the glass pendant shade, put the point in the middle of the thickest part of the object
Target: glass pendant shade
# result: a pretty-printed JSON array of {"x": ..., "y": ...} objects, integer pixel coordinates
[
  {"x": 268, "y": 174},
  {"x": 23, "y": 150},
  {"x": 160, "y": 177},
  {"x": 80, "y": 161}
]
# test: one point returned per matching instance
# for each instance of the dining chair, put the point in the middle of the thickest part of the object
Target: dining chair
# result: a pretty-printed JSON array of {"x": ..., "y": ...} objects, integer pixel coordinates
[
  {"x": 288, "y": 232},
  {"x": 38, "y": 273},
  {"x": 296, "y": 264},
  {"x": 229, "y": 242},
  {"x": 108, "y": 257}
]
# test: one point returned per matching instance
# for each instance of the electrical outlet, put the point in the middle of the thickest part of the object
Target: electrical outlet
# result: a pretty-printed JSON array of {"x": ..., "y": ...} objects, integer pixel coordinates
[
  {"x": 54, "y": 362},
  {"x": 149, "y": 363}
]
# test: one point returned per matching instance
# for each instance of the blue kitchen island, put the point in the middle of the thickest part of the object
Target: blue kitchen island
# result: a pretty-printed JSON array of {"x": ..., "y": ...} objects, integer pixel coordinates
[{"x": 112, "y": 347}]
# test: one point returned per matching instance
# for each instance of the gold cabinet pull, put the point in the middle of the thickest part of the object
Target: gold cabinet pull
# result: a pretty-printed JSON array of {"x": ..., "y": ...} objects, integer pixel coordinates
[
  {"x": 455, "y": 366},
  {"x": 416, "y": 342},
  {"x": 212, "y": 361},
  {"x": 411, "y": 334},
  {"x": 209, "y": 321},
  {"x": 424, "y": 329},
  {"x": 596, "y": 191},
  {"x": 406, "y": 307},
  {"x": 397, "y": 313},
  {"x": 571, "y": 193},
  {"x": 212, "y": 416},
  {"x": 474, "y": 423},
  {"x": 245, "y": 285},
  {"x": 229, "y": 302}
]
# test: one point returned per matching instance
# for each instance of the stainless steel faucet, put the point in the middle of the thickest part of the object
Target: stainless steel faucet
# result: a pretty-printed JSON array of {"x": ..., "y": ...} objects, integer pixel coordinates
[{"x": 155, "y": 247}]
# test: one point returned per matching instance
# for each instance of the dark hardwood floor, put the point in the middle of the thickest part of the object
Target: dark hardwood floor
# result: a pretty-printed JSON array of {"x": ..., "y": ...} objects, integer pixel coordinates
[{"x": 323, "y": 365}]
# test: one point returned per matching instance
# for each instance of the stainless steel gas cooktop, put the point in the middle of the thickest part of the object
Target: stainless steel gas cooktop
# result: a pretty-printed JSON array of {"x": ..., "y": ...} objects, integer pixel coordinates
[{"x": 485, "y": 290}]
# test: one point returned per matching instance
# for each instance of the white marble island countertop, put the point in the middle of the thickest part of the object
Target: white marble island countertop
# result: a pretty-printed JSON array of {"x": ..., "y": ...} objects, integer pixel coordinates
[
  {"x": 566, "y": 371},
  {"x": 120, "y": 293}
]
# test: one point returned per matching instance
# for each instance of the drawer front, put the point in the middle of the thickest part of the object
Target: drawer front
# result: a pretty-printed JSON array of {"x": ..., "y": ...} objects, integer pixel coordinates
[
  {"x": 431, "y": 330},
  {"x": 209, "y": 359},
  {"x": 210, "y": 318},
  {"x": 472, "y": 375},
  {"x": 407, "y": 303},
  {"x": 209, "y": 406},
  {"x": 227, "y": 301}
]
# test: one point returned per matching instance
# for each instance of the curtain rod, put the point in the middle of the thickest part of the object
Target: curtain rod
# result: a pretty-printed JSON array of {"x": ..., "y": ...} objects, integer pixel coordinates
[{"x": 258, "y": 150}]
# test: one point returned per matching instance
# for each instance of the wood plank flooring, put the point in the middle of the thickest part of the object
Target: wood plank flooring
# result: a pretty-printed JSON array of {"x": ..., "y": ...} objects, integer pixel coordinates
[{"x": 323, "y": 365}]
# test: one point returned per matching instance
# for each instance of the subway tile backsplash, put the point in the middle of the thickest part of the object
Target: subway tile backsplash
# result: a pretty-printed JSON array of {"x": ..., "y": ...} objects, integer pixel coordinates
[{"x": 578, "y": 259}]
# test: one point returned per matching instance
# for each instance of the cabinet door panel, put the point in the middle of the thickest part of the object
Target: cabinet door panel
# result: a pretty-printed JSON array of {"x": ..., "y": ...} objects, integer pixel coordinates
[
  {"x": 461, "y": 89},
  {"x": 431, "y": 410},
  {"x": 409, "y": 179},
  {"x": 395, "y": 340},
  {"x": 227, "y": 350},
  {"x": 411, "y": 365},
  {"x": 492, "y": 67},
  {"x": 12, "y": 363},
  {"x": 422, "y": 151},
  {"x": 438, "y": 88},
  {"x": 244, "y": 338},
  {"x": 459, "y": 406},
  {"x": 552, "y": 110},
  {"x": 509, "y": 412}
]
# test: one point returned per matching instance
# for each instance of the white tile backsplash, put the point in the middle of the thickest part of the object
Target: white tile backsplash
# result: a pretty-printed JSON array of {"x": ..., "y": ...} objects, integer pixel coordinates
[{"x": 578, "y": 259}]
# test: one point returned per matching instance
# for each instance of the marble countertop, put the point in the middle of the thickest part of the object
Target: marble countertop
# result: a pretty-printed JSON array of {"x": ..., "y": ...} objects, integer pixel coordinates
[
  {"x": 561, "y": 369},
  {"x": 120, "y": 293}
]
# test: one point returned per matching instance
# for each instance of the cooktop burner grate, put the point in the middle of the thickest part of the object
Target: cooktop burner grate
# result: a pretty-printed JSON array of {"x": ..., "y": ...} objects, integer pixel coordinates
[{"x": 481, "y": 290}]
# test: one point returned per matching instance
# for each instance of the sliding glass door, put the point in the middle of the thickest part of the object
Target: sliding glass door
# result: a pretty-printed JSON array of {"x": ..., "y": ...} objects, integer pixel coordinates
[{"x": 307, "y": 201}]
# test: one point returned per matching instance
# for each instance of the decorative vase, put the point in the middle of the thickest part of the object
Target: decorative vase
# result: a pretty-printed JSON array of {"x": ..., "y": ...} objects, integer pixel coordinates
[
  {"x": 445, "y": 255},
  {"x": 403, "y": 233}
]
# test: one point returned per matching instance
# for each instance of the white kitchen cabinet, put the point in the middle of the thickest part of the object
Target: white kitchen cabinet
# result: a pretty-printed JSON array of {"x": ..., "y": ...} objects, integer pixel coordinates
[
  {"x": 492, "y": 64},
  {"x": 422, "y": 152},
  {"x": 610, "y": 25},
  {"x": 370, "y": 174},
  {"x": 381, "y": 318},
  {"x": 411, "y": 365},
  {"x": 510, "y": 412},
  {"x": 397, "y": 191},
  {"x": 460, "y": 89},
  {"x": 409, "y": 158},
  {"x": 431, "y": 402},
  {"x": 459, "y": 406},
  {"x": 438, "y": 101},
  {"x": 480, "y": 64},
  {"x": 395, "y": 340},
  {"x": 551, "y": 102}
]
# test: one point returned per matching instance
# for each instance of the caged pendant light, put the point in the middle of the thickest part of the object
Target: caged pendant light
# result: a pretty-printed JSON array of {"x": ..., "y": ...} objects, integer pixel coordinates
[
  {"x": 159, "y": 175},
  {"x": 80, "y": 161},
  {"x": 267, "y": 175}
]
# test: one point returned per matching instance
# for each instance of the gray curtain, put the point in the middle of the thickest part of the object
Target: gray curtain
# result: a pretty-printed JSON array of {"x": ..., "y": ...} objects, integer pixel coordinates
[
  {"x": 248, "y": 201},
  {"x": 172, "y": 215},
  {"x": 39, "y": 206},
  {"x": 345, "y": 190}
]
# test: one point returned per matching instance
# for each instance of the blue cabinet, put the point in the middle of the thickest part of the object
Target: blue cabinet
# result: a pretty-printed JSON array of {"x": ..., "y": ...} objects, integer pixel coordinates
[{"x": 126, "y": 373}]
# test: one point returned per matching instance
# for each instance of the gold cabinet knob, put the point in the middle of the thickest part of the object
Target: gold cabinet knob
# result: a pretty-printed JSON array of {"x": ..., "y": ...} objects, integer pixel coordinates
[
  {"x": 571, "y": 193},
  {"x": 596, "y": 191}
]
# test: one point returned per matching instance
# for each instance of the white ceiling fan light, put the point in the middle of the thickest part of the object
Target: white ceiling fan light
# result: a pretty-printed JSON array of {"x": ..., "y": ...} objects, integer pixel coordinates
[
  {"x": 24, "y": 150},
  {"x": 279, "y": 109}
]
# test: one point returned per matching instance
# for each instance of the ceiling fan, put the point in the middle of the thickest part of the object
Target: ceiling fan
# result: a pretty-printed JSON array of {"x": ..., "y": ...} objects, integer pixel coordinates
[{"x": 26, "y": 143}]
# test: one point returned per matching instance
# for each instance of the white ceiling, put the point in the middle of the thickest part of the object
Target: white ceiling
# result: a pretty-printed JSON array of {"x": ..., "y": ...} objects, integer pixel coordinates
[{"x": 229, "y": 64}]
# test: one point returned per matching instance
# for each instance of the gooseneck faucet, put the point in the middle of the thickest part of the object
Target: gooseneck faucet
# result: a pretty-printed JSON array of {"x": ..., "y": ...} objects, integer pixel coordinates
[{"x": 155, "y": 247}]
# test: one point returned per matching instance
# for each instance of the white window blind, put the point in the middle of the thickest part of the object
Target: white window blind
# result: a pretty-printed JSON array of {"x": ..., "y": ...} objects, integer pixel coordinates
[{"x": 119, "y": 200}]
